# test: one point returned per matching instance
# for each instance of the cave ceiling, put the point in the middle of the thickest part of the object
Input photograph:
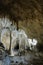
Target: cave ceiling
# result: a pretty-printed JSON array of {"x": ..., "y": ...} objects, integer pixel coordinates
[{"x": 20, "y": 9}]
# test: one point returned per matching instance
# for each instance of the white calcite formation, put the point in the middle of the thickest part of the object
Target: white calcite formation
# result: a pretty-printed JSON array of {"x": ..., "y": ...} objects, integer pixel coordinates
[
  {"x": 9, "y": 34},
  {"x": 18, "y": 37},
  {"x": 32, "y": 43},
  {"x": 14, "y": 36},
  {"x": 22, "y": 39},
  {"x": 5, "y": 22},
  {"x": 5, "y": 38}
]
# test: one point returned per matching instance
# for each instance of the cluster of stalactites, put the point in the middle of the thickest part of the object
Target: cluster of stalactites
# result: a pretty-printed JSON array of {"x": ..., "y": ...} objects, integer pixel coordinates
[{"x": 6, "y": 23}]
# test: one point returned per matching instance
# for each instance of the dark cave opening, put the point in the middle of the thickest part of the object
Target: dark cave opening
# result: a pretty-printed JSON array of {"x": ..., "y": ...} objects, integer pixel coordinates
[{"x": 16, "y": 47}]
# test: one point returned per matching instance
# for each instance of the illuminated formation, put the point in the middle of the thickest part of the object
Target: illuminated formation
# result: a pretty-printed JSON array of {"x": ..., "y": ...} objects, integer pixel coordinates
[{"x": 15, "y": 40}]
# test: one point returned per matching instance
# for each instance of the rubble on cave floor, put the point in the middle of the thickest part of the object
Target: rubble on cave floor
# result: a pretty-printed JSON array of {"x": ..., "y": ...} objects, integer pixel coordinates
[{"x": 29, "y": 58}]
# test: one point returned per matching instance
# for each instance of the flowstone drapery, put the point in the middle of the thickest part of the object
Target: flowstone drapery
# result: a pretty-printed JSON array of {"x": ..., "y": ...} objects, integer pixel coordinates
[{"x": 18, "y": 39}]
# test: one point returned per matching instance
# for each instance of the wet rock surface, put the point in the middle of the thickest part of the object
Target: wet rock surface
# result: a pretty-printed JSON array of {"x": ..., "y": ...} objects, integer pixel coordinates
[{"x": 30, "y": 58}]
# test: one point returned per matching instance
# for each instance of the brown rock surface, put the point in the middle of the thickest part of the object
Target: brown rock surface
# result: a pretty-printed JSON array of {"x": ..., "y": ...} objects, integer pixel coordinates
[{"x": 28, "y": 14}]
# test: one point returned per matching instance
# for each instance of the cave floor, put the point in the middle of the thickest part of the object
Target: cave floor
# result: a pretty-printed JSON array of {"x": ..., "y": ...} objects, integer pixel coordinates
[{"x": 29, "y": 58}]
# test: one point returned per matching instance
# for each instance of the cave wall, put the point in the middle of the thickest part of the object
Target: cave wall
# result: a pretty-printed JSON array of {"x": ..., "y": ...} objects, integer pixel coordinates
[
  {"x": 33, "y": 27},
  {"x": 28, "y": 13}
]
